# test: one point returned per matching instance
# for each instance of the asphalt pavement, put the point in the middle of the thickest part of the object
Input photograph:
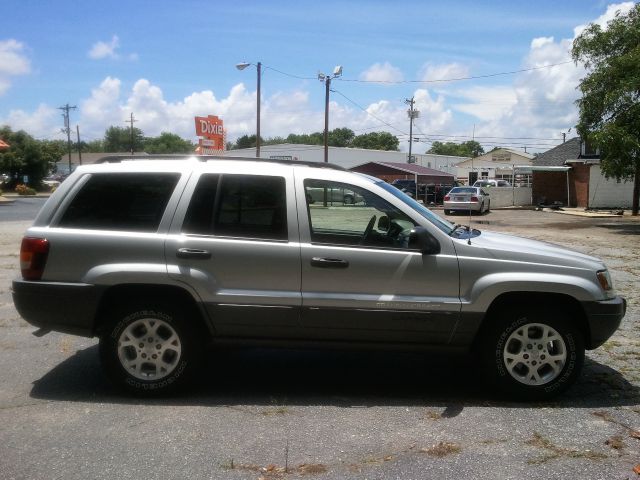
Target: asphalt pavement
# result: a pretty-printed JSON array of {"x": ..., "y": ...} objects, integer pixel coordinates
[{"x": 20, "y": 208}]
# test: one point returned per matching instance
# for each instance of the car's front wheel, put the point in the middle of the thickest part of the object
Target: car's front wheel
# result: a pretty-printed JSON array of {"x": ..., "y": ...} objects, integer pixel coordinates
[
  {"x": 533, "y": 356},
  {"x": 149, "y": 349}
]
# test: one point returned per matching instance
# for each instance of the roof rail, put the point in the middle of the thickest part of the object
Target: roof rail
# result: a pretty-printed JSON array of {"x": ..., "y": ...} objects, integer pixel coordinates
[{"x": 208, "y": 158}]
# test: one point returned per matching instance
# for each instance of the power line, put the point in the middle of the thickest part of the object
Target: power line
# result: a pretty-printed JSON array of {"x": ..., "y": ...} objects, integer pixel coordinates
[
  {"x": 457, "y": 79},
  {"x": 439, "y": 80},
  {"x": 369, "y": 113}
]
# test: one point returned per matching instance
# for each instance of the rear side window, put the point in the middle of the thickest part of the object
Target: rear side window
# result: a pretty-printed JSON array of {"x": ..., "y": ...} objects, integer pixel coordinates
[
  {"x": 121, "y": 201},
  {"x": 243, "y": 206}
]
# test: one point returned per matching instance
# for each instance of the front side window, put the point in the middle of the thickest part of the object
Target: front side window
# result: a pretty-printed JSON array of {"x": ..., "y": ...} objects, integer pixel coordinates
[
  {"x": 342, "y": 214},
  {"x": 242, "y": 206},
  {"x": 132, "y": 202}
]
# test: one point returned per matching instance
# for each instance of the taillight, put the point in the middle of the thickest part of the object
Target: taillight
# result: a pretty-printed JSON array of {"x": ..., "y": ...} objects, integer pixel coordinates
[
  {"x": 474, "y": 199},
  {"x": 447, "y": 198},
  {"x": 33, "y": 257}
]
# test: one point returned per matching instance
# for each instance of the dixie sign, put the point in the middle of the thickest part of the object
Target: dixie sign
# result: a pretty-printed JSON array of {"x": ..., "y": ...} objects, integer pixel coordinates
[{"x": 209, "y": 127}]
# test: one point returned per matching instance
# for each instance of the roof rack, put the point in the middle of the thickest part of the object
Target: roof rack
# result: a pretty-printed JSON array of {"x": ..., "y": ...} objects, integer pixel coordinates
[{"x": 207, "y": 158}]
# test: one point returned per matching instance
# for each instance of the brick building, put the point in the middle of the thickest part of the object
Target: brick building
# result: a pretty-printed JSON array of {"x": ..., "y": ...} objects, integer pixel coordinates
[{"x": 571, "y": 173}]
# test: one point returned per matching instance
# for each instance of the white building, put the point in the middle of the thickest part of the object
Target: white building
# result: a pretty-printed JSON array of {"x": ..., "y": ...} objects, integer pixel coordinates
[
  {"x": 350, "y": 157},
  {"x": 498, "y": 163}
]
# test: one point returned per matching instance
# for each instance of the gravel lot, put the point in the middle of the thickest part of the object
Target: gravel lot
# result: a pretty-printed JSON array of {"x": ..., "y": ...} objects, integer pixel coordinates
[{"x": 325, "y": 414}]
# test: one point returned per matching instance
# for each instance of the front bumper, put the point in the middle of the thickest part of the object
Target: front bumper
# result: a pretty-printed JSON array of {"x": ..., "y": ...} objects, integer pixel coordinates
[
  {"x": 63, "y": 307},
  {"x": 604, "y": 318}
]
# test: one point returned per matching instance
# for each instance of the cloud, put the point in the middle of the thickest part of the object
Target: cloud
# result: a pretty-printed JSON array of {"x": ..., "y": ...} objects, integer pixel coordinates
[
  {"x": 606, "y": 17},
  {"x": 13, "y": 62},
  {"x": 44, "y": 122},
  {"x": 382, "y": 72},
  {"x": 431, "y": 72},
  {"x": 539, "y": 103},
  {"x": 101, "y": 50}
]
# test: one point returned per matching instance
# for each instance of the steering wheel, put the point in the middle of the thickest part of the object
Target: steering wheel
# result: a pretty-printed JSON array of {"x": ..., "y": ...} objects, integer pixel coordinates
[{"x": 367, "y": 231}]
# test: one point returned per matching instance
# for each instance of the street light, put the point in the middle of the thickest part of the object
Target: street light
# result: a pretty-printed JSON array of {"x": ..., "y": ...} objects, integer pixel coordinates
[
  {"x": 242, "y": 66},
  {"x": 337, "y": 71}
]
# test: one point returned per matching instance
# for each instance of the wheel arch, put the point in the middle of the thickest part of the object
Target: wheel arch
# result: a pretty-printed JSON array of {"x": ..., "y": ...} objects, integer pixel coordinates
[
  {"x": 536, "y": 300},
  {"x": 138, "y": 293}
]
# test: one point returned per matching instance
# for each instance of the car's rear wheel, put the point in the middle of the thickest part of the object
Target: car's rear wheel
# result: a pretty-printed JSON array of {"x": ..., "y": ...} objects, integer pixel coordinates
[
  {"x": 533, "y": 356},
  {"x": 447, "y": 211},
  {"x": 348, "y": 200},
  {"x": 149, "y": 349}
]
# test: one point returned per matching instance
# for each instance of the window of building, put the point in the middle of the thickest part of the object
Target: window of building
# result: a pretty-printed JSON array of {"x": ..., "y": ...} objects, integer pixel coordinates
[
  {"x": 242, "y": 206},
  {"x": 121, "y": 201}
]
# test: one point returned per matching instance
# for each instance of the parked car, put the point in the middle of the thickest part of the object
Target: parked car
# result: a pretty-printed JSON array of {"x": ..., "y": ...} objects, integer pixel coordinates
[
  {"x": 340, "y": 195},
  {"x": 160, "y": 259},
  {"x": 467, "y": 199},
  {"x": 409, "y": 187},
  {"x": 491, "y": 182}
]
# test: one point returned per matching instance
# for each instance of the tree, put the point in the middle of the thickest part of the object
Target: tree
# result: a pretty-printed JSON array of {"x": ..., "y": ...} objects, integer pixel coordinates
[
  {"x": 27, "y": 157},
  {"x": 610, "y": 105},
  {"x": 94, "y": 146},
  {"x": 118, "y": 139},
  {"x": 340, "y": 137},
  {"x": 470, "y": 148},
  {"x": 376, "y": 141},
  {"x": 168, "y": 143}
]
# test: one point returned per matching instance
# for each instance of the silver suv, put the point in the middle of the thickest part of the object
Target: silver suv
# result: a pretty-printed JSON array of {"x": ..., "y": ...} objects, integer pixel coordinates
[{"x": 161, "y": 258}]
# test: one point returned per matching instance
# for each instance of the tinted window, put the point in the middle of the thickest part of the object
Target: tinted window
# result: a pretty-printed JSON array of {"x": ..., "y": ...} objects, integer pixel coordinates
[
  {"x": 245, "y": 206},
  {"x": 121, "y": 201}
]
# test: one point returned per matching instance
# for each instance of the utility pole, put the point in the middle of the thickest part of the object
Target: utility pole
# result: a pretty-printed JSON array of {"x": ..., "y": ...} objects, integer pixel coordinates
[
  {"x": 131, "y": 121},
  {"x": 79, "y": 147},
  {"x": 412, "y": 114},
  {"x": 66, "y": 128},
  {"x": 327, "y": 84},
  {"x": 337, "y": 72},
  {"x": 259, "y": 68}
]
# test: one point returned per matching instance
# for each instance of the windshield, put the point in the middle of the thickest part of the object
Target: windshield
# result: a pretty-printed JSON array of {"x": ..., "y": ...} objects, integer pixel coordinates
[{"x": 442, "y": 224}]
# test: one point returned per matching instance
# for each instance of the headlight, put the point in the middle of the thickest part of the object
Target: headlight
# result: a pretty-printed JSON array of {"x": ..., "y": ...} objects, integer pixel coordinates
[{"x": 605, "y": 280}]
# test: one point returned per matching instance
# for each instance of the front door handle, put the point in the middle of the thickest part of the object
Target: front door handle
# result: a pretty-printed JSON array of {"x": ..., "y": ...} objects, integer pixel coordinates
[
  {"x": 329, "y": 262},
  {"x": 193, "y": 253}
]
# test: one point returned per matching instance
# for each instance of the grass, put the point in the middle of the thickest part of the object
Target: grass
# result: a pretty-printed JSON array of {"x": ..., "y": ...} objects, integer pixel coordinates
[
  {"x": 442, "y": 449},
  {"x": 277, "y": 471},
  {"x": 554, "y": 451}
]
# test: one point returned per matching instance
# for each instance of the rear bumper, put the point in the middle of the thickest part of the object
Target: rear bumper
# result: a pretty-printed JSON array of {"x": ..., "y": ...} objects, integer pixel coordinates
[
  {"x": 604, "y": 318},
  {"x": 63, "y": 307},
  {"x": 473, "y": 206}
]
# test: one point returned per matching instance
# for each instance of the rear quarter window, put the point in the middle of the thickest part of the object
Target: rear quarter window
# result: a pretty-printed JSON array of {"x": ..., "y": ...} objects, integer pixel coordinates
[{"x": 121, "y": 201}]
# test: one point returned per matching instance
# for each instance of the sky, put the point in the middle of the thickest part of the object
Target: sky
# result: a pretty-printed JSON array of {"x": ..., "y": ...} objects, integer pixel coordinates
[{"x": 167, "y": 62}]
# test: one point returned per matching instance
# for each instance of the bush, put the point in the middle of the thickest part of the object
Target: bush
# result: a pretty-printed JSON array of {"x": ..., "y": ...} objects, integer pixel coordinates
[{"x": 22, "y": 189}]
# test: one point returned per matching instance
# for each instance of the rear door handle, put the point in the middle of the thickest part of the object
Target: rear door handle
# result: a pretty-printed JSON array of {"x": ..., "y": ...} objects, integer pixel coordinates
[
  {"x": 329, "y": 262},
  {"x": 193, "y": 253}
]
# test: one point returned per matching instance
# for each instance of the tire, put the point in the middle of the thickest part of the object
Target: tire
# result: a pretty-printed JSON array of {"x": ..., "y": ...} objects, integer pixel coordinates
[
  {"x": 447, "y": 212},
  {"x": 519, "y": 363},
  {"x": 148, "y": 349},
  {"x": 348, "y": 200}
]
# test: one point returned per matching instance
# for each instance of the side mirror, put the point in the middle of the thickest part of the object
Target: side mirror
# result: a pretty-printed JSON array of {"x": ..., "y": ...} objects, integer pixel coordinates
[
  {"x": 383, "y": 223},
  {"x": 421, "y": 239}
]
